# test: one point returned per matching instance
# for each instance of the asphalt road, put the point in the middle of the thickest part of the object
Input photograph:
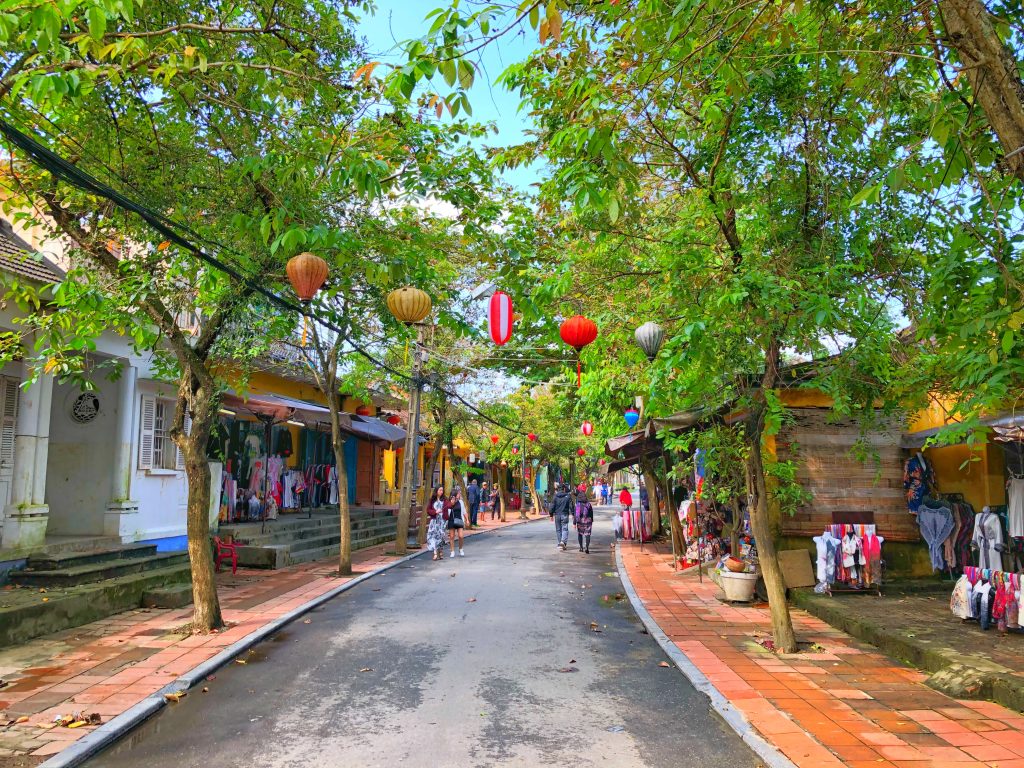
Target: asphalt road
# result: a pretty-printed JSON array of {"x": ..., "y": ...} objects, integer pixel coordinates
[{"x": 458, "y": 663}]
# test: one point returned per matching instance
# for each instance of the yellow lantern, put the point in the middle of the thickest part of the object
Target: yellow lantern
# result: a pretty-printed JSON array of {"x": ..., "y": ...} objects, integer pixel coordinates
[
  {"x": 409, "y": 305},
  {"x": 307, "y": 273}
]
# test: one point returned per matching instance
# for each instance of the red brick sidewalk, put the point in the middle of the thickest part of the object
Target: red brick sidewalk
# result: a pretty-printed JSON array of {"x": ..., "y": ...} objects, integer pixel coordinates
[
  {"x": 843, "y": 703},
  {"x": 110, "y": 665}
]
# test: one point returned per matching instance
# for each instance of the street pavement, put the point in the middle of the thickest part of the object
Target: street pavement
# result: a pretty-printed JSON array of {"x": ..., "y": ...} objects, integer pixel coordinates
[{"x": 516, "y": 655}]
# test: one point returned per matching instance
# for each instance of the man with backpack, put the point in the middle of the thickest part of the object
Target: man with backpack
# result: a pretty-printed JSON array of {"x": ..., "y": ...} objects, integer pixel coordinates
[
  {"x": 561, "y": 511},
  {"x": 473, "y": 494}
]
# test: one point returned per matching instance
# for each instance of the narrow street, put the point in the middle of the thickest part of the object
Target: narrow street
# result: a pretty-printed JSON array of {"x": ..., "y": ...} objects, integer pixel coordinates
[{"x": 457, "y": 663}]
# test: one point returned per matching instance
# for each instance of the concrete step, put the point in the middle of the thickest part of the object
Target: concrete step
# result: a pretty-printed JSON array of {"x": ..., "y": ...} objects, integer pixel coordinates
[
  {"x": 60, "y": 561},
  {"x": 306, "y": 550},
  {"x": 99, "y": 571},
  {"x": 286, "y": 538},
  {"x": 24, "y": 619}
]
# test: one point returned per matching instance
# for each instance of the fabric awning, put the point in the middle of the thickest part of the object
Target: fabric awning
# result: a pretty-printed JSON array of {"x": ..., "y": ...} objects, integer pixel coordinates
[
  {"x": 277, "y": 407},
  {"x": 1005, "y": 425},
  {"x": 374, "y": 430}
]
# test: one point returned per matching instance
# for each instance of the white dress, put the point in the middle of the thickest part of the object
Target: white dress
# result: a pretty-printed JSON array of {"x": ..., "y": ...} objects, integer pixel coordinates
[
  {"x": 988, "y": 538},
  {"x": 1015, "y": 497}
]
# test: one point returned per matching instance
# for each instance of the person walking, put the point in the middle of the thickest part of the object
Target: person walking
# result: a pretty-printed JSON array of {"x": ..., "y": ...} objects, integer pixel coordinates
[
  {"x": 485, "y": 498},
  {"x": 437, "y": 535},
  {"x": 456, "y": 522},
  {"x": 495, "y": 503},
  {"x": 584, "y": 519},
  {"x": 626, "y": 499},
  {"x": 473, "y": 497},
  {"x": 561, "y": 511}
]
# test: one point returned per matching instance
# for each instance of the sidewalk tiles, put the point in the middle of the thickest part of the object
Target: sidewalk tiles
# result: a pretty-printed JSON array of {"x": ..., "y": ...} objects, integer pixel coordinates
[
  {"x": 841, "y": 703},
  {"x": 110, "y": 665}
]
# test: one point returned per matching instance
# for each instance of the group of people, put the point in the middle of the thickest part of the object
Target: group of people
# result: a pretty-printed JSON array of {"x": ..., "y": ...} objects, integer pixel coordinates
[
  {"x": 565, "y": 507},
  {"x": 447, "y": 520}
]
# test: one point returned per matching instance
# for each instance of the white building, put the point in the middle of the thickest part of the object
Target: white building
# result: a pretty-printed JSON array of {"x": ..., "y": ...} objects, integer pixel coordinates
[{"x": 89, "y": 465}]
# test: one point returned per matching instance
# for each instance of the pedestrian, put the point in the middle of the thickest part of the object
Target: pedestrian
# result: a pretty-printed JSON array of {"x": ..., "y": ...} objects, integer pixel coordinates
[
  {"x": 625, "y": 499},
  {"x": 584, "y": 519},
  {"x": 437, "y": 535},
  {"x": 473, "y": 497},
  {"x": 495, "y": 503},
  {"x": 645, "y": 502},
  {"x": 604, "y": 492},
  {"x": 561, "y": 510},
  {"x": 456, "y": 522},
  {"x": 485, "y": 498}
]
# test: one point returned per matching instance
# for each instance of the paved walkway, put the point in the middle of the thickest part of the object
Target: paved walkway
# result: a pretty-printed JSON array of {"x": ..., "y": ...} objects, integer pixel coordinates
[
  {"x": 110, "y": 665},
  {"x": 837, "y": 702}
]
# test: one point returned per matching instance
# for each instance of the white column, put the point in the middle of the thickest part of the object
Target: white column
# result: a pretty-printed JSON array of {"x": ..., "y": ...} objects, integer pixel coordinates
[
  {"x": 119, "y": 519},
  {"x": 26, "y": 515}
]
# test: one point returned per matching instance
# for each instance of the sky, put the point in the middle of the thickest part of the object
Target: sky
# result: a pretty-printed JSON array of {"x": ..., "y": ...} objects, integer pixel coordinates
[{"x": 397, "y": 21}]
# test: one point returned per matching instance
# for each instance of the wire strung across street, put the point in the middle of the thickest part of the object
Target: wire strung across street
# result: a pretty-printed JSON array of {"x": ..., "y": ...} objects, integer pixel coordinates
[{"x": 175, "y": 231}]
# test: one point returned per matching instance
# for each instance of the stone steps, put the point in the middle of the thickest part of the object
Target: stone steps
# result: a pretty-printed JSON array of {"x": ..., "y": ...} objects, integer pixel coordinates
[
  {"x": 72, "y": 559},
  {"x": 301, "y": 545},
  {"x": 110, "y": 567}
]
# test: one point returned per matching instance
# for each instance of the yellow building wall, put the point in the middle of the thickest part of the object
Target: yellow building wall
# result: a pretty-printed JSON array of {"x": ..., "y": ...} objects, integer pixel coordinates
[{"x": 978, "y": 474}]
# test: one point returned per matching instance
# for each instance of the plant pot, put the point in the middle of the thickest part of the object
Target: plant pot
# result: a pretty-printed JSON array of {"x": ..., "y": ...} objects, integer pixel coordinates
[{"x": 738, "y": 587}]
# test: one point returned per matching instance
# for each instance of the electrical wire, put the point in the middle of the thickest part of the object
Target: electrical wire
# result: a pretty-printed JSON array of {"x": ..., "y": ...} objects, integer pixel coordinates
[{"x": 175, "y": 231}]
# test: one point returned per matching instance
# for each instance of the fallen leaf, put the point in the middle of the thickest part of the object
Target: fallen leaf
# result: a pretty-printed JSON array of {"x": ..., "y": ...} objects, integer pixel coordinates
[
  {"x": 176, "y": 696},
  {"x": 211, "y": 677},
  {"x": 241, "y": 661},
  {"x": 366, "y": 669},
  {"x": 307, "y": 621},
  {"x": 568, "y": 669},
  {"x": 572, "y": 661},
  {"x": 22, "y": 719},
  {"x": 664, "y": 664},
  {"x": 205, "y": 689},
  {"x": 77, "y": 724},
  {"x": 471, "y": 600},
  {"x": 452, "y": 575},
  {"x": 46, "y": 599},
  {"x": 42, "y": 589}
]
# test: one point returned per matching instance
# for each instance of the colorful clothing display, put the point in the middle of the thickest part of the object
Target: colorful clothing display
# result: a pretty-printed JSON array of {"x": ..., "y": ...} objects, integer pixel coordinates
[
  {"x": 918, "y": 480},
  {"x": 849, "y": 554},
  {"x": 988, "y": 539}
]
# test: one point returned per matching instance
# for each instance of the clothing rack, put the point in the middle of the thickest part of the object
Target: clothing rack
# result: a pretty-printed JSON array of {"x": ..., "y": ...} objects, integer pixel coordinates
[
  {"x": 864, "y": 551},
  {"x": 988, "y": 596}
]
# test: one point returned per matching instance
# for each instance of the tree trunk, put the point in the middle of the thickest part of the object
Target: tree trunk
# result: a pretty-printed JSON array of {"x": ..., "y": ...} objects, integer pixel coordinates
[
  {"x": 675, "y": 527},
  {"x": 991, "y": 70},
  {"x": 768, "y": 560},
  {"x": 502, "y": 492},
  {"x": 196, "y": 397},
  {"x": 651, "y": 483},
  {"x": 737, "y": 523},
  {"x": 344, "y": 513}
]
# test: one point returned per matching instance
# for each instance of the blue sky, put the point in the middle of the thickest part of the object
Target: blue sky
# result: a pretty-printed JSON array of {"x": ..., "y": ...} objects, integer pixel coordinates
[{"x": 397, "y": 21}]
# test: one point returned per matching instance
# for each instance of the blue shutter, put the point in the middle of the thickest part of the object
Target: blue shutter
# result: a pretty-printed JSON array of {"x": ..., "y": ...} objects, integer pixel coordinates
[{"x": 352, "y": 466}]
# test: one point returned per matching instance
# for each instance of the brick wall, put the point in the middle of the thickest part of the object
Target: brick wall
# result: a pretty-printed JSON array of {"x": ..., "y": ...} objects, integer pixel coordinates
[{"x": 839, "y": 482}]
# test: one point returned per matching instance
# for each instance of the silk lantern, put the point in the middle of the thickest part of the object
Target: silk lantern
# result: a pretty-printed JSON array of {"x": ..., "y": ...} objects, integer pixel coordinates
[
  {"x": 581, "y": 452},
  {"x": 601, "y": 462},
  {"x": 499, "y": 318},
  {"x": 495, "y": 439},
  {"x": 307, "y": 273},
  {"x": 632, "y": 416},
  {"x": 650, "y": 337},
  {"x": 578, "y": 331},
  {"x": 393, "y": 420},
  {"x": 363, "y": 410},
  {"x": 515, "y": 449},
  {"x": 408, "y": 304},
  {"x": 531, "y": 437},
  {"x": 587, "y": 428}
]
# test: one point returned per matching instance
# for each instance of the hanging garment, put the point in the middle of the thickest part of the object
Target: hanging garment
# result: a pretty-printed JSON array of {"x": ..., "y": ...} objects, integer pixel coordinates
[
  {"x": 960, "y": 600},
  {"x": 852, "y": 554},
  {"x": 988, "y": 539},
  {"x": 936, "y": 523},
  {"x": 827, "y": 545},
  {"x": 949, "y": 545},
  {"x": 917, "y": 479},
  {"x": 965, "y": 536},
  {"x": 872, "y": 545},
  {"x": 1013, "y": 602},
  {"x": 332, "y": 481},
  {"x": 1015, "y": 498},
  {"x": 284, "y": 443},
  {"x": 981, "y": 603}
]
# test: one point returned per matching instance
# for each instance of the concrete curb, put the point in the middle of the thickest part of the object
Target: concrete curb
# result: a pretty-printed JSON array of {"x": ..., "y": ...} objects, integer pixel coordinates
[
  {"x": 78, "y": 752},
  {"x": 719, "y": 703}
]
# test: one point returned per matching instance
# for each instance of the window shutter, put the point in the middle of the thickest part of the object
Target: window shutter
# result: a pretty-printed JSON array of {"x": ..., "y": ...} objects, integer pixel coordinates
[
  {"x": 179, "y": 457},
  {"x": 147, "y": 431},
  {"x": 8, "y": 419}
]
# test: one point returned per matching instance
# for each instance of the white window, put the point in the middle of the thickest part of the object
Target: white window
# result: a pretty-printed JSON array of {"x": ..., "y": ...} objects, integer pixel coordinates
[{"x": 156, "y": 448}]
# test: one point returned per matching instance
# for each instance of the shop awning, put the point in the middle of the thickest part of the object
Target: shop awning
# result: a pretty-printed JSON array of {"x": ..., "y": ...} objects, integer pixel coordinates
[
  {"x": 278, "y": 407},
  {"x": 374, "y": 430},
  {"x": 627, "y": 450},
  {"x": 1008, "y": 427}
]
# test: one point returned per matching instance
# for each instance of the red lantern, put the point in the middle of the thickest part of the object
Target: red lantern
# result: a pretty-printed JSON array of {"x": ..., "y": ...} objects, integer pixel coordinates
[
  {"x": 515, "y": 449},
  {"x": 600, "y": 462},
  {"x": 578, "y": 331},
  {"x": 531, "y": 437},
  {"x": 393, "y": 419},
  {"x": 495, "y": 439},
  {"x": 587, "y": 428},
  {"x": 581, "y": 452},
  {"x": 363, "y": 410},
  {"x": 499, "y": 318}
]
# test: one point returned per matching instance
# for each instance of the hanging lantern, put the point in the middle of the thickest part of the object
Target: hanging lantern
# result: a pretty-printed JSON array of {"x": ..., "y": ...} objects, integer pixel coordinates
[
  {"x": 307, "y": 273},
  {"x": 578, "y": 331},
  {"x": 409, "y": 305},
  {"x": 581, "y": 452},
  {"x": 393, "y": 420},
  {"x": 587, "y": 428},
  {"x": 650, "y": 337},
  {"x": 495, "y": 439},
  {"x": 632, "y": 416},
  {"x": 472, "y": 458},
  {"x": 531, "y": 437},
  {"x": 600, "y": 462},
  {"x": 500, "y": 318},
  {"x": 515, "y": 449},
  {"x": 363, "y": 410}
]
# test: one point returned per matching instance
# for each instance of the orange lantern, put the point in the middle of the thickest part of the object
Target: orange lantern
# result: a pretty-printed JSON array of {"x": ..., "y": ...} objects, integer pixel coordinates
[{"x": 307, "y": 273}]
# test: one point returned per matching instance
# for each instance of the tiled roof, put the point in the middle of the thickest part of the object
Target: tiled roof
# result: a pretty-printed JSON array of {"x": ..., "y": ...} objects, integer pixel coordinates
[{"x": 19, "y": 258}]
